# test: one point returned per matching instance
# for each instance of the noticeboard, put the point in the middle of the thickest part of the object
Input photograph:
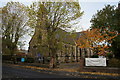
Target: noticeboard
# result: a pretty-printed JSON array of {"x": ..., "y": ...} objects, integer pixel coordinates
[{"x": 95, "y": 61}]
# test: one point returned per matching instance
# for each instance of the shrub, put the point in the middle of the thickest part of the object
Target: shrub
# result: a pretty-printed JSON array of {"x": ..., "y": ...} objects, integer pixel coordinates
[
  {"x": 18, "y": 59},
  {"x": 29, "y": 60},
  {"x": 114, "y": 62},
  {"x": 94, "y": 56},
  {"x": 6, "y": 57},
  {"x": 109, "y": 55}
]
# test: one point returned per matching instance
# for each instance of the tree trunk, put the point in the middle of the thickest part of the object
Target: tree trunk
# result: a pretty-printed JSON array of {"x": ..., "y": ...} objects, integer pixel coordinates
[
  {"x": 13, "y": 52},
  {"x": 82, "y": 61},
  {"x": 52, "y": 62}
]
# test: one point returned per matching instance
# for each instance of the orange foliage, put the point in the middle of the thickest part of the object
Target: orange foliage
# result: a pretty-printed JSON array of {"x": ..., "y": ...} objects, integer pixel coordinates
[{"x": 93, "y": 38}]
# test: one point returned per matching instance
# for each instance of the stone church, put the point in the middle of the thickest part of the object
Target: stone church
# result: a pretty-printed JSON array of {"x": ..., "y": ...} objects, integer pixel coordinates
[{"x": 69, "y": 52}]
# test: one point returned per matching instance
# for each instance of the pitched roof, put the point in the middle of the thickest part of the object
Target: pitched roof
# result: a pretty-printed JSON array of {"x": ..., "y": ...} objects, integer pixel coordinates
[{"x": 67, "y": 37}]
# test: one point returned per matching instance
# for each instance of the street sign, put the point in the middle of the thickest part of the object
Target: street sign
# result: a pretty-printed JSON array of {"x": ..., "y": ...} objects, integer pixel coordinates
[{"x": 22, "y": 59}]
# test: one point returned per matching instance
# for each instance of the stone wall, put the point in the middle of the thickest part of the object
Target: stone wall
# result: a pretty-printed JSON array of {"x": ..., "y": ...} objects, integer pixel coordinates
[{"x": 73, "y": 53}]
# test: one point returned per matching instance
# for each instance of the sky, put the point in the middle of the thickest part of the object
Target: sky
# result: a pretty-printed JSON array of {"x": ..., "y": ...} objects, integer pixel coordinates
[{"x": 89, "y": 7}]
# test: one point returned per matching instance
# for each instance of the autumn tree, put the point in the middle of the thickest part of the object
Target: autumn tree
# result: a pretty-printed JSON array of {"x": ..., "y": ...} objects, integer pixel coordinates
[
  {"x": 99, "y": 40},
  {"x": 109, "y": 16},
  {"x": 13, "y": 26},
  {"x": 58, "y": 15}
]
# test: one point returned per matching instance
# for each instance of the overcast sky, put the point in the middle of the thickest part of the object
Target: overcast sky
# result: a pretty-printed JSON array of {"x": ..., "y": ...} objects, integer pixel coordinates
[{"x": 89, "y": 7}]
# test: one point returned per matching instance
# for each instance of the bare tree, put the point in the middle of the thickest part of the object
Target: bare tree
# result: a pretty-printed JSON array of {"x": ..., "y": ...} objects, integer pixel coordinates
[{"x": 13, "y": 26}]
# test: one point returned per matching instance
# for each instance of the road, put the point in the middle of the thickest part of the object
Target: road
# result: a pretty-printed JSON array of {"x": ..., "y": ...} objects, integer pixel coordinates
[
  {"x": 15, "y": 72},
  {"x": 18, "y": 72}
]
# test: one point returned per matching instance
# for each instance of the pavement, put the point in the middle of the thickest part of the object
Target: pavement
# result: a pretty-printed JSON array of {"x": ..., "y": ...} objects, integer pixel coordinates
[{"x": 71, "y": 72}]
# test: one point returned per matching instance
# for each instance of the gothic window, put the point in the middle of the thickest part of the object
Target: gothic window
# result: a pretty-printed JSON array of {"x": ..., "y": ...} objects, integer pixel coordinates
[
  {"x": 34, "y": 46},
  {"x": 40, "y": 36},
  {"x": 65, "y": 46},
  {"x": 80, "y": 52},
  {"x": 85, "y": 52}
]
